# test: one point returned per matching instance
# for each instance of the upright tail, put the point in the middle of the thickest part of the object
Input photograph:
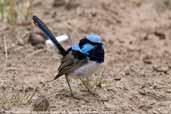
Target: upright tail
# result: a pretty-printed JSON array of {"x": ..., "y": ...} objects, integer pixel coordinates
[{"x": 48, "y": 34}]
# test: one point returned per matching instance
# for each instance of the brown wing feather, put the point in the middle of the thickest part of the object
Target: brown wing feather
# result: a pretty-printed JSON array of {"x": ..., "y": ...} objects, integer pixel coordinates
[{"x": 69, "y": 64}]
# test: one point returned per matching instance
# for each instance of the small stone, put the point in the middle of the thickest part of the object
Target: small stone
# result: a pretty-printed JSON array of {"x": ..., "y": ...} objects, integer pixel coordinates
[
  {"x": 117, "y": 78},
  {"x": 36, "y": 39},
  {"x": 103, "y": 97},
  {"x": 71, "y": 4},
  {"x": 146, "y": 37},
  {"x": 110, "y": 42},
  {"x": 160, "y": 35},
  {"x": 109, "y": 105},
  {"x": 168, "y": 91},
  {"x": 137, "y": 2},
  {"x": 58, "y": 3},
  {"x": 142, "y": 92},
  {"x": 20, "y": 42},
  {"x": 147, "y": 60},
  {"x": 127, "y": 73},
  {"x": 103, "y": 85},
  {"x": 28, "y": 89},
  {"x": 41, "y": 104},
  {"x": 163, "y": 69}
]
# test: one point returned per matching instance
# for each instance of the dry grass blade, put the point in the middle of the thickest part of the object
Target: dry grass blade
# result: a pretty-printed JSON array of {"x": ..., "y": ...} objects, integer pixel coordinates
[
  {"x": 34, "y": 53},
  {"x": 6, "y": 51},
  {"x": 12, "y": 14},
  {"x": 29, "y": 10},
  {"x": 31, "y": 96},
  {"x": 2, "y": 5},
  {"x": 13, "y": 11}
]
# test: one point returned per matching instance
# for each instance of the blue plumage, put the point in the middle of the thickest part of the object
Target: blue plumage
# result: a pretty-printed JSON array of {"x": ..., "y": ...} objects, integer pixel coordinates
[
  {"x": 94, "y": 38},
  {"x": 90, "y": 48},
  {"x": 85, "y": 48},
  {"x": 48, "y": 34}
]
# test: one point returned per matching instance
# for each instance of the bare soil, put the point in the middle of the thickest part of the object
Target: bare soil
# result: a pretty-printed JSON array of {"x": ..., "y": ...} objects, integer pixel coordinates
[{"x": 137, "y": 71}]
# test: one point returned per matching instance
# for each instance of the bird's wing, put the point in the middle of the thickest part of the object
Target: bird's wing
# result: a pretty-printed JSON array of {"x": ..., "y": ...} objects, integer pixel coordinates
[{"x": 68, "y": 64}]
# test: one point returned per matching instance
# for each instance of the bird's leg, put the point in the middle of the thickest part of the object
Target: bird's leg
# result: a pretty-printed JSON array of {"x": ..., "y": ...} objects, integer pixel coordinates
[
  {"x": 68, "y": 81},
  {"x": 87, "y": 85}
]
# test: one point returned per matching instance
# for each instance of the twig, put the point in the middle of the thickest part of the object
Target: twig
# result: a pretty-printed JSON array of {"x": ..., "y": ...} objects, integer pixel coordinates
[
  {"x": 34, "y": 53},
  {"x": 12, "y": 69},
  {"x": 6, "y": 51},
  {"x": 30, "y": 97},
  {"x": 99, "y": 80}
]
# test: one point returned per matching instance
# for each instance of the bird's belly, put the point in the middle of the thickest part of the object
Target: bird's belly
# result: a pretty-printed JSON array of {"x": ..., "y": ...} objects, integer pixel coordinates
[{"x": 87, "y": 69}]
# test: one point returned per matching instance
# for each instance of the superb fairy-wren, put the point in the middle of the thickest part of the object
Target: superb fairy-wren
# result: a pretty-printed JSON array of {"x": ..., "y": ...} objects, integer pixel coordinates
[{"x": 80, "y": 60}]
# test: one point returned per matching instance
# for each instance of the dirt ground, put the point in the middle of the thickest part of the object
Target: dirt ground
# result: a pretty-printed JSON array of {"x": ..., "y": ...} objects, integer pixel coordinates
[{"x": 136, "y": 78}]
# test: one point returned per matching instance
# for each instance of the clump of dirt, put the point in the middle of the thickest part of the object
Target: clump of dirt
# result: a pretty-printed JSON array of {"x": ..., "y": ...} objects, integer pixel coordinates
[{"x": 136, "y": 76}]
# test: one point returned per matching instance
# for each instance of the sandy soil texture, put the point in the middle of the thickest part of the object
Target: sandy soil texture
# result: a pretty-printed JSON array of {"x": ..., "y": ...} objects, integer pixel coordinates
[{"x": 137, "y": 71}]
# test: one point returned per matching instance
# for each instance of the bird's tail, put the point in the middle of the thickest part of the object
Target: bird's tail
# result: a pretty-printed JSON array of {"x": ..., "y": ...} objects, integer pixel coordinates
[
  {"x": 48, "y": 34},
  {"x": 57, "y": 76}
]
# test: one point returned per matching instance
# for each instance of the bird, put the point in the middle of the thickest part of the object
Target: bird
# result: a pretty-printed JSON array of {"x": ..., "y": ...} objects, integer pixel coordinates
[{"x": 80, "y": 60}]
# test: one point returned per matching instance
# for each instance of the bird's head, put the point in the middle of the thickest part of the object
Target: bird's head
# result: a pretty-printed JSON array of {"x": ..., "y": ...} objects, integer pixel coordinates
[
  {"x": 94, "y": 38},
  {"x": 88, "y": 43},
  {"x": 91, "y": 47}
]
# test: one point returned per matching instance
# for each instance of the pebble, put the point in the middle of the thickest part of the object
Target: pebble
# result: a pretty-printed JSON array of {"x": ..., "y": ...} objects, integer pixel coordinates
[
  {"x": 41, "y": 104},
  {"x": 58, "y": 3},
  {"x": 36, "y": 40},
  {"x": 163, "y": 69},
  {"x": 147, "y": 60}
]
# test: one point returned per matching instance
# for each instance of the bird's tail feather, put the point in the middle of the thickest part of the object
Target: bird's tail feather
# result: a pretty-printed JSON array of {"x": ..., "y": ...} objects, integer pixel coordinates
[
  {"x": 57, "y": 76},
  {"x": 48, "y": 34}
]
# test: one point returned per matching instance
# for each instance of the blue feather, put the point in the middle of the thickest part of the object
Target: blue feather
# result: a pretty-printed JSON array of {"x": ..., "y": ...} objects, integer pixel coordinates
[
  {"x": 49, "y": 34},
  {"x": 94, "y": 38},
  {"x": 76, "y": 47},
  {"x": 85, "y": 48}
]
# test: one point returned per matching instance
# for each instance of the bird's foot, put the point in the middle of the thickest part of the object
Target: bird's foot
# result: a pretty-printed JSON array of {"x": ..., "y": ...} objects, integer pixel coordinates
[
  {"x": 75, "y": 97},
  {"x": 93, "y": 93}
]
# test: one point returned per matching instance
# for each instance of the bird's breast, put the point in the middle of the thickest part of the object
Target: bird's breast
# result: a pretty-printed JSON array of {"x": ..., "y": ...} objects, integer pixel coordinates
[{"x": 87, "y": 69}]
